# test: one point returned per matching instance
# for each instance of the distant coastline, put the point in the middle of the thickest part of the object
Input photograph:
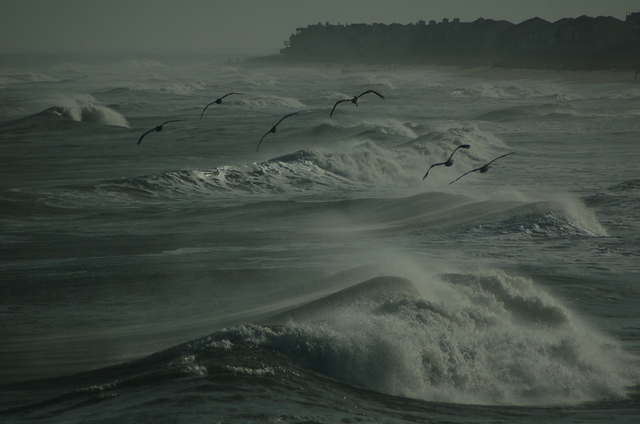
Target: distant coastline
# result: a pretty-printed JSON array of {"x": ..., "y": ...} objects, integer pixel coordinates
[{"x": 570, "y": 44}]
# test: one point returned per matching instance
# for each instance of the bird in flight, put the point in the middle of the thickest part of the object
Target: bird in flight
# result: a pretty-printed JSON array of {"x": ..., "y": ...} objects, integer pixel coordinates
[
  {"x": 157, "y": 128},
  {"x": 216, "y": 101},
  {"x": 484, "y": 168},
  {"x": 273, "y": 129},
  {"x": 449, "y": 161},
  {"x": 355, "y": 99}
]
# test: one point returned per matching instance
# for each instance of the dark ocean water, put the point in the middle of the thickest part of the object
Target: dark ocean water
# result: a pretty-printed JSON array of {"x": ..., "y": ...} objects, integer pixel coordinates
[{"x": 190, "y": 278}]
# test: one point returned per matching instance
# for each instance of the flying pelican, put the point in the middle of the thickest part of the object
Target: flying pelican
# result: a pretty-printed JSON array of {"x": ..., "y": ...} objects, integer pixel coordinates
[
  {"x": 484, "y": 168},
  {"x": 158, "y": 128},
  {"x": 449, "y": 161},
  {"x": 273, "y": 129},
  {"x": 355, "y": 99},
  {"x": 217, "y": 101}
]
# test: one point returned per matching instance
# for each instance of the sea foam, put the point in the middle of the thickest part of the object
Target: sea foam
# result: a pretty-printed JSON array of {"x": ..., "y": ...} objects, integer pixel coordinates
[
  {"x": 85, "y": 108},
  {"x": 493, "y": 339}
]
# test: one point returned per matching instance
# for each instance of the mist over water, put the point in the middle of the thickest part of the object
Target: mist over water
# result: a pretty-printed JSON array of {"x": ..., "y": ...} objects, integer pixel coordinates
[{"x": 320, "y": 278}]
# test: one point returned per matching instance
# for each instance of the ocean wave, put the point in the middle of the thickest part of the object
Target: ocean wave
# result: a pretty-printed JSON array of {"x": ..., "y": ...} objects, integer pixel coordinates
[
  {"x": 478, "y": 338},
  {"x": 525, "y": 112},
  {"x": 360, "y": 165},
  {"x": 183, "y": 89},
  {"x": 439, "y": 143},
  {"x": 547, "y": 112},
  {"x": 624, "y": 194},
  {"x": 451, "y": 216},
  {"x": 93, "y": 114},
  {"x": 365, "y": 162},
  {"x": 555, "y": 218},
  {"x": 251, "y": 179},
  {"x": 366, "y": 80},
  {"x": 16, "y": 204},
  {"x": 261, "y": 79},
  {"x": 631, "y": 94},
  {"x": 20, "y": 78},
  {"x": 82, "y": 108},
  {"x": 269, "y": 101},
  {"x": 632, "y": 185},
  {"x": 507, "y": 91},
  {"x": 496, "y": 339},
  {"x": 154, "y": 86},
  {"x": 505, "y": 115},
  {"x": 384, "y": 129},
  {"x": 305, "y": 171},
  {"x": 483, "y": 338}
]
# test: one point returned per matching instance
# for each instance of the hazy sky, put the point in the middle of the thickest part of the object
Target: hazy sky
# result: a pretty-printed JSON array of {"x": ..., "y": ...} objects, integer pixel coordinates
[{"x": 247, "y": 25}]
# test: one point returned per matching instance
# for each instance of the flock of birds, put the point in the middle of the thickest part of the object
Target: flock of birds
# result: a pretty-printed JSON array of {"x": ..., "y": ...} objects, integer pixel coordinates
[{"x": 449, "y": 162}]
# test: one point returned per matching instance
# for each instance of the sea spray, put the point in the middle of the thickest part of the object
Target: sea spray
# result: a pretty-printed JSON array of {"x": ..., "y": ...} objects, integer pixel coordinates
[
  {"x": 85, "y": 108},
  {"x": 499, "y": 340}
]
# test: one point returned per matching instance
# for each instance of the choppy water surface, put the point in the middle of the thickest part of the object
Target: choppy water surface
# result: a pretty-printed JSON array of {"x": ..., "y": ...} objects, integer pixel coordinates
[{"x": 320, "y": 279}]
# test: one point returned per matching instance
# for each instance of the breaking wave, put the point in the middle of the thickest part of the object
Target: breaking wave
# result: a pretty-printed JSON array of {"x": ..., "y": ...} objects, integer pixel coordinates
[
  {"x": 19, "y": 78},
  {"x": 484, "y": 338},
  {"x": 507, "y": 91},
  {"x": 84, "y": 108}
]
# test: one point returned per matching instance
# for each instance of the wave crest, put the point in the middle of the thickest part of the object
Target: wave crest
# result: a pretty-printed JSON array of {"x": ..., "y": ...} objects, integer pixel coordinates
[
  {"x": 26, "y": 77},
  {"x": 495, "y": 339},
  {"x": 512, "y": 90},
  {"x": 85, "y": 108}
]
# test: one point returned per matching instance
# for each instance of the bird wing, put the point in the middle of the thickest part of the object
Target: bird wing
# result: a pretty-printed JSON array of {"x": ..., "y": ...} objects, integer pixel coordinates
[
  {"x": 478, "y": 169},
  {"x": 205, "y": 108},
  {"x": 372, "y": 91},
  {"x": 265, "y": 134},
  {"x": 462, "y": 146},
  {"x": 281, "y": 119},
  {"x": 435, "y": 164},
  {"x": 499, "y": 158},
  {"x": 228, "y": 94},
  {"x": 337, "y": 103},
  {"x": 216, "y": 101},
  {"x": 285, "y": 117},
  {"x": 473, "y": 170},
  {"x": 173, "y": 120},
  {"x": 142, "y": 136}
]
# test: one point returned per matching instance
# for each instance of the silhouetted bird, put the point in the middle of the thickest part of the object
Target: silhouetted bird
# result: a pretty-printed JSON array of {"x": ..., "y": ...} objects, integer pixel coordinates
[
  {"x": 482, "y": 169},
  {"x": 157, "y": 128},
  {"x": 449, "y": 161},
  {"x": 216, "y": 101},
  {"x": 355, "y": 99},
  {"x": 273, "y": 129}
]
